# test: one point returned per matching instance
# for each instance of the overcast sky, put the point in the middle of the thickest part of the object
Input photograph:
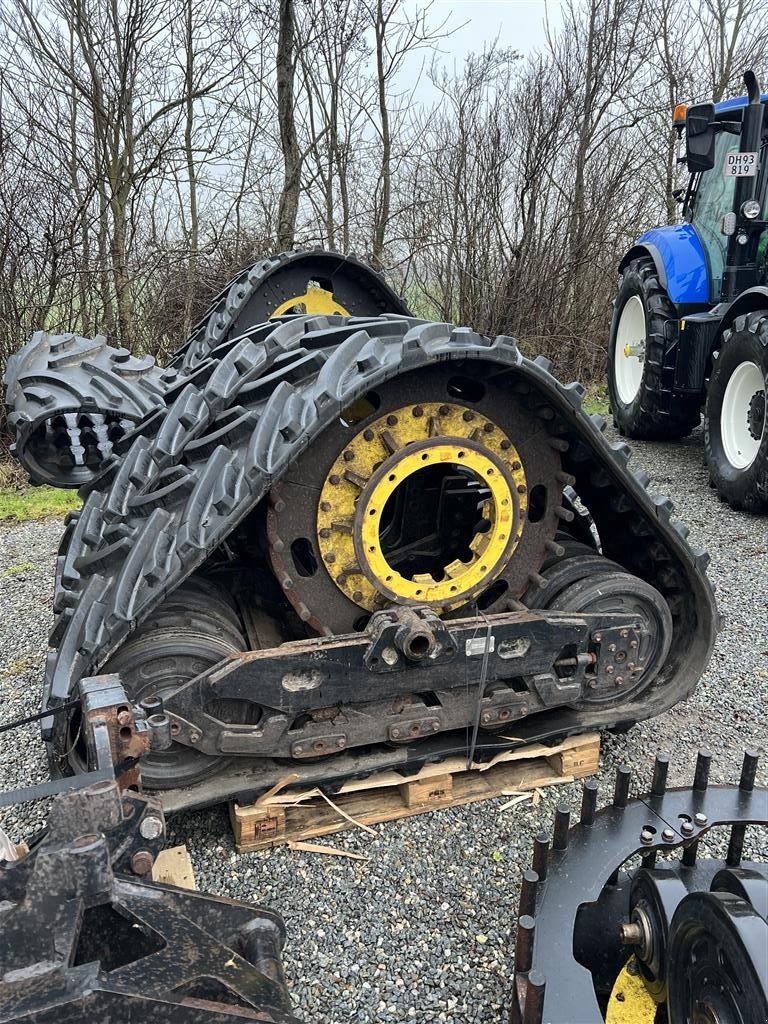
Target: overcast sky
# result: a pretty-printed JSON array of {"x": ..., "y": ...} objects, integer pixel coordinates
[{"x": 517, "y": 23}]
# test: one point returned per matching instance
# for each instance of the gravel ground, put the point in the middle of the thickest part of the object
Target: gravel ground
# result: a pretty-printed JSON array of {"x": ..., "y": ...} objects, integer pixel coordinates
[{"x": 424, "y": 928}]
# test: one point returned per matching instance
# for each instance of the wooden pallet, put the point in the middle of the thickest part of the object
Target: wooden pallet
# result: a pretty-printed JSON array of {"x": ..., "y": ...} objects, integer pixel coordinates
[
  {"x": 281, "y": 817},
  {"x": 174, "y": 867}
]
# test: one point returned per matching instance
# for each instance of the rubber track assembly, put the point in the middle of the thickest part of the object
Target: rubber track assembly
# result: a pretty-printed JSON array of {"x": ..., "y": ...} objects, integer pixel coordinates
[
  {"x": 627, "y": 917},
  {"x": 219, "y": 507},
  {"x": 72, "y": 399}
]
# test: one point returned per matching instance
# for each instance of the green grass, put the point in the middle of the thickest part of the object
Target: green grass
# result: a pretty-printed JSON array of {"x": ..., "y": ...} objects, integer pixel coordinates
[
  {"x": 20, "y": 504},
  {"x": 597, "y": 399},
  {"x": 17, "y": 570}
]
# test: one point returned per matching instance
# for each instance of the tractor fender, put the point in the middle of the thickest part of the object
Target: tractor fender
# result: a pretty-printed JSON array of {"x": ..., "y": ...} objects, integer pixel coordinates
[
  {"x": 680, "y": 262},
  {"x": 749, "y": 301}
]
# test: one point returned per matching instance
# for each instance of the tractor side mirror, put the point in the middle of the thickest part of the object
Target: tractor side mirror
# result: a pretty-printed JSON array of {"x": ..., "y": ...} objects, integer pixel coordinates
[{"x": 700, "y": 137}]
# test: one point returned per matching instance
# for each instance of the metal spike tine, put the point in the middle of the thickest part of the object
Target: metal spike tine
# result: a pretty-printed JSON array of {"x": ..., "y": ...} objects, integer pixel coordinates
[
  {"x": 562, "y": 823},
  {"x": 689, "y": 854},
  {"x": 621, "y": 789},
  {"x": 528, "y": 893},
  {"x": 701, "y": 776},
  {"x": 534, "y": 998},
  {"x": 660, "y": 769},
  {"x": 748, "y": 771},
  {"x": 541, "y": 855},
  {"x": 588, "y": 801},
  {"x": 526, "y": 928},
  {"x": 736, "y": 845}
]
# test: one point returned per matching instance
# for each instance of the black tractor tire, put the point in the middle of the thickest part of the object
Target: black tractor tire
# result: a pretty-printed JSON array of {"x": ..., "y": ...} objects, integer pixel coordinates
[
  {"x": 742, "y": 486},
  {"x": 656, "y": 413}
]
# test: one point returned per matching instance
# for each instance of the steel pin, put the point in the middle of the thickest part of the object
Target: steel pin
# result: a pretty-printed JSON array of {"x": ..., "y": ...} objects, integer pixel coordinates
[
  {"x": 526, "y": 928},
  {"x": 748, "y": 771},
  {"x": 621, "y": 789},
  {"x": 528, "y": 893},
  {"x": 541, "y": 855},
  {"x": 660, "y": 770},
  {"x": 701, "y": 776},
  {"x": 562, "y": 823},
  {"x": 588, "y": 801},
  {"x": 534, "y": 998}
]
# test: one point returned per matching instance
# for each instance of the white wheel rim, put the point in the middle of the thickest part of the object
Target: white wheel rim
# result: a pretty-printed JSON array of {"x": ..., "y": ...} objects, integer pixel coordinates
[
  {"x": 628, "y": 365},
  {"x": 739, "y": 445}
]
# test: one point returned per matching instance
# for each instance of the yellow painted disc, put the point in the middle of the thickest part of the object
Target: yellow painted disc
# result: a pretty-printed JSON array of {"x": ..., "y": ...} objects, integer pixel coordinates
[
  {"x": 630, "y": 1001},
  {"x": 371, "y": 468},
  {"x": 314, "y": 300}
]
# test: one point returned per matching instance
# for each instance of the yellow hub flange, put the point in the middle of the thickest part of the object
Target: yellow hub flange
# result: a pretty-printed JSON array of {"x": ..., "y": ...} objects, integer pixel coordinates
[
  {"x": 376, "y": 462},
  {"x": 314, "y": 300},
  {"x": 630, "y": 1001}
]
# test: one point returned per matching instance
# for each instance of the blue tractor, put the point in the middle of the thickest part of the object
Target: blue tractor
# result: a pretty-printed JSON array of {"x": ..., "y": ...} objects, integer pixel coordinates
[{"x": 690, "y": 323}]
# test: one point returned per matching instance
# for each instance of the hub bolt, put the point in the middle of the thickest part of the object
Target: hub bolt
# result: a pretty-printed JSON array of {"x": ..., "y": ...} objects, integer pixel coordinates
[
  {"x": 141, "y": 862},
  {"x": 151, "y": 827}
]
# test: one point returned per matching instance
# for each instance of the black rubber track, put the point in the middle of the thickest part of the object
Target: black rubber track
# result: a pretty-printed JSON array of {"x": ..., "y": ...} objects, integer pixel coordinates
[
  {"x": 73, "y": 399},
  {"x": 658, "y": 413},
  {"x": 742, "y": 488},
  {"x": 153, "y": 517}
]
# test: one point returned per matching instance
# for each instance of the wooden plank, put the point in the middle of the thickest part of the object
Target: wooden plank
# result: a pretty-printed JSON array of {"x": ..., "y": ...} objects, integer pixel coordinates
[
  {"x": 174, "y": 867},
  {"x": 296, "y": 817}
]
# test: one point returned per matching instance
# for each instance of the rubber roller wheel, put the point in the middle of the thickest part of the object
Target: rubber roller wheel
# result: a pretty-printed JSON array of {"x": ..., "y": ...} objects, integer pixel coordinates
[
  {"x": 620, "y": 592},
  {"x": 196, "y": 628}
]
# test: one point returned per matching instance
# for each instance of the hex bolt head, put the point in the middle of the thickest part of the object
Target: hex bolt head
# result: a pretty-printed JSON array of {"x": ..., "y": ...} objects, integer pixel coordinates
[
  {"x": 619, "y": 680},
  {"x": 609, "y": 669},
  {"x": 700, "y": 819},
  {"x": 668, "y": 835},
  {"x": 395, "y": 733},
  {"x": 646, "y": 836},
  {"x": 687, "y": 828},
  {"x": 341, "y": 742},
  {"x": 298, "y": 750},
  {"x": 151, "y": 827},
  {"x": 486, "y": 718},
  {"x": 194, "y": 737}
]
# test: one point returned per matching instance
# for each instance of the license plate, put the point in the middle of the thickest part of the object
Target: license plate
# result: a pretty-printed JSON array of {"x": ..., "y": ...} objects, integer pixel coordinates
[{"x": 740, "y": 165}]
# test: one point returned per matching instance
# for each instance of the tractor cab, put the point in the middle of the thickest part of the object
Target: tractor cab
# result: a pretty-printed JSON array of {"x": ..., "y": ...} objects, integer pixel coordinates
[
  {"x": 726, "y": 199},
  {"x": 690, "y": 322}
]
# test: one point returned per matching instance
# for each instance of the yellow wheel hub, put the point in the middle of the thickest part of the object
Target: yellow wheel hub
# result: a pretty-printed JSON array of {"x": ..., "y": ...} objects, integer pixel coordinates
[
  {"x": 376, "y": 462},
  {"x": 314, "y": 300}
]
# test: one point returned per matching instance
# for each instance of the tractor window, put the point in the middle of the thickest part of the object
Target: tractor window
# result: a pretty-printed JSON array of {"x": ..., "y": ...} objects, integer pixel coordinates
[{"x": 712, "y": 199}]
